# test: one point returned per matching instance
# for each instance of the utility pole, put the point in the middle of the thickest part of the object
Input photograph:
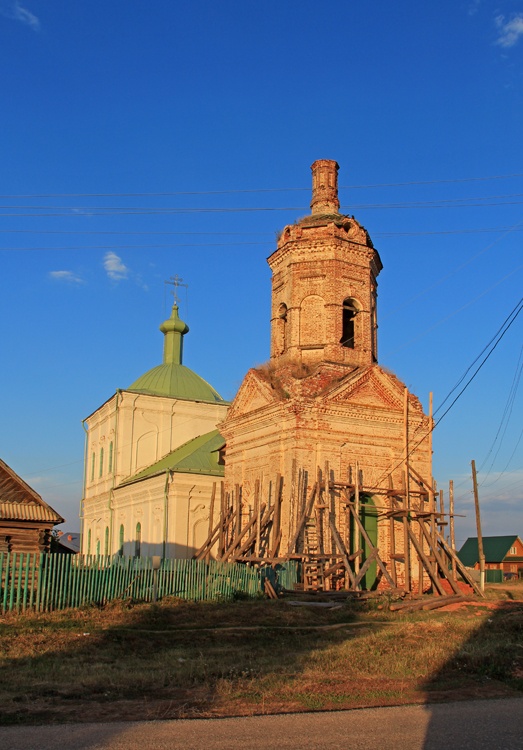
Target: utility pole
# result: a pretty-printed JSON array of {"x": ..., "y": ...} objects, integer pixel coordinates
[{"x": 478, "y": 526}]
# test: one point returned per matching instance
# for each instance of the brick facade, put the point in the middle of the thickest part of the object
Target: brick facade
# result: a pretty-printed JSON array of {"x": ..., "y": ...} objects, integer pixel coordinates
[{"x": 323, "y": 399}]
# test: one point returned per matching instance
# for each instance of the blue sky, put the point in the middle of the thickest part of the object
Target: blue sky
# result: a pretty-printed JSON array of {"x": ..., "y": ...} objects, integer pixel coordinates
[{"x": 144, "y": 140}]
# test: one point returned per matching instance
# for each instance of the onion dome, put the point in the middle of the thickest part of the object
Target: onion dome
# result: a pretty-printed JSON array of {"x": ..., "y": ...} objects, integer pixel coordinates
[{"x": 172, "y": 378}]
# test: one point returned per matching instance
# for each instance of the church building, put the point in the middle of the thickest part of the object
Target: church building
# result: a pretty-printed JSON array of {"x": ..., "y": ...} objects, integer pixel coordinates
[
  {"x": 152, "y": 457},
  {"x": 323, "y": 403},
  {"x": 329, "y": 445}
]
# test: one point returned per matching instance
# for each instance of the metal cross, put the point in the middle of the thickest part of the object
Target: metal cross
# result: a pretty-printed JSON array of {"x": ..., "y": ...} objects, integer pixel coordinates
[{"x": 176, "y": 281}]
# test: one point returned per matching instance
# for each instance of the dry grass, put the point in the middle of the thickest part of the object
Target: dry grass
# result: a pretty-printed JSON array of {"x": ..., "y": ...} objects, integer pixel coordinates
[{"x": 182, "y": 659}]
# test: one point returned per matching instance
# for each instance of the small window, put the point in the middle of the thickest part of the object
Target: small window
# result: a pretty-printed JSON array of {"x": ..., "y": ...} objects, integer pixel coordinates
[
  {"x": 101, "y": 471},
  {"x": 512, "y": 550},
  {"x": 106, "y": 543},
  {"x": 93, "y": 459},
  {"x": 349, "y": 312},
  {"x": 138, "y": 540},
  {"x": 110, "y": 466},
  {"x": 120, "y": 541}
]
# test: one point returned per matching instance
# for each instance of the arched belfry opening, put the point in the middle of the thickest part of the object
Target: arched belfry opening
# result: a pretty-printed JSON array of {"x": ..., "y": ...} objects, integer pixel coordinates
[{"x": 350, "y": 309}]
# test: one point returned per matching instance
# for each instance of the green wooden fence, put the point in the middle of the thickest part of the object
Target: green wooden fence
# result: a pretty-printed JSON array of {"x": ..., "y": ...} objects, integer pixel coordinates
[{"x": 44, "y": 582}]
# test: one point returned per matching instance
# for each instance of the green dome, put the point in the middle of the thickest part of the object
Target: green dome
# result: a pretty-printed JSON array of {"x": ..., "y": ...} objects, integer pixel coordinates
[
  {"x": 171, "y": 378},
  {"x": 175, "y": 381}
]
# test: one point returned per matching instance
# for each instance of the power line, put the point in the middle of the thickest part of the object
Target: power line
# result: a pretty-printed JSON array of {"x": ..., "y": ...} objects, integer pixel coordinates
[
  {"x": 495, "y": 340},
  {"x": 131, "y": 232},
  {"x": 505, "y": 418},
  {"x": 507, "y": 323},
  {"x": 257, "y": 190},
  {"x": 79, "y": 209},
  {"x": 90, "y": 211}
]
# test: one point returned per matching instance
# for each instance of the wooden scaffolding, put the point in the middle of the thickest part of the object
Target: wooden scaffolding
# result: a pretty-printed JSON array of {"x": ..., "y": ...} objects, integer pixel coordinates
[{"x": 325, "y": 527}]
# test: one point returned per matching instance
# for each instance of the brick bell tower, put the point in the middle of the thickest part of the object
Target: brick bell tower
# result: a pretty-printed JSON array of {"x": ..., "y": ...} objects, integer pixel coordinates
[{"x": 324, "y": 286}]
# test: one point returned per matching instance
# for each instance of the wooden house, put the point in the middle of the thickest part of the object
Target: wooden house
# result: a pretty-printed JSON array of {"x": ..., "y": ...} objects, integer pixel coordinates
[
  {"x": 501, "y": 553},
  {"x": 26, "y": 521}
]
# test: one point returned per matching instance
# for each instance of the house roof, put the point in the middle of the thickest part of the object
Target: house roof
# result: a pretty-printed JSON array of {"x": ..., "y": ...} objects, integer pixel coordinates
[
  {"x": 197, "y": 456},
  {"x": 495, "y": 549},
  {"x": 175, "y": 381},
  {"x": 68, "y": 541},
  {"x": 19, "y": 502}
]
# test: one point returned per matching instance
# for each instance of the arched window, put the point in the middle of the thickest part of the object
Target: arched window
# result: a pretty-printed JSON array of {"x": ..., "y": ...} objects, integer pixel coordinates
[
  {"x": 93, "y": 459},
  {"x": 89, "y": 542},
  {"x": 280, "y": 326},
  {"x": 120, "y": 540},
  {"x": 138, "y": 540},
  {"x": 97, "y": 548},
  {"x": 349, "y": 312},
  {"x": 110, "y": 466},
  {"x": 101, "y": 462},
  {"x": 106, "y": 542}
]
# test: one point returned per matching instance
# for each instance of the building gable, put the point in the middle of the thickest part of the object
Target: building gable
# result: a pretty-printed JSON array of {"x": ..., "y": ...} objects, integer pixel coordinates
[
  {"x": 254, "y": 393},
  {"x": 371, "y": 387},
  {"x": 19, "y": 502},
  {"x": 495, "y": 548}
]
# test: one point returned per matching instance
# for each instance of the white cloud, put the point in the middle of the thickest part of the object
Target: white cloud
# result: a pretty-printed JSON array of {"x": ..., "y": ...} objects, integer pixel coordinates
[
  {"x": 13, "y": 10},
  {"x": 115, "y": 268},
  {"x": 67, "y": 276},
  {"x": 509, "y": 31}
]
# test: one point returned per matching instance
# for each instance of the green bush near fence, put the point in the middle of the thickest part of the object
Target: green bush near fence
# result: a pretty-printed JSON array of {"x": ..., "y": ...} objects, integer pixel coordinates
[{"x": 45, "y": 582}]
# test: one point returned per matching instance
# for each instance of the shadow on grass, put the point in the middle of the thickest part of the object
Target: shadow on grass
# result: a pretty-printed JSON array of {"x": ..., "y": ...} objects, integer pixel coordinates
[
  {"x": 488, "y": 664},
  {"x": 173, "y": 660}
]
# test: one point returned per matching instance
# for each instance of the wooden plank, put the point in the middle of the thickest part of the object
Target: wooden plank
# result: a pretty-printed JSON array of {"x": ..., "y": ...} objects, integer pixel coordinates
[
  {"x": 306, "y": 513},
  {"x": 423, "y": 559},
  {"x": 250, "y": 540},
  {"x": 211, "y": 509},
  {"x": 357, "y": 509},
  {"x": 461, "y": 568},
  {"x": 341, "y": 547},
  {"x": 237, "y": 541},
  {"x": 451, "y": 520},
  {"x": 269, "y": 589},
  {"x": 439, "y": 560},
  {"x": 257, "y": 515},
  {"x": 276, "y": 524},
  {"x": 379, "y": 561}
]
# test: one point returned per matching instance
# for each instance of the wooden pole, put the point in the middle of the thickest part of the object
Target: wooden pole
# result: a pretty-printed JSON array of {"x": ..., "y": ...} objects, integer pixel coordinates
[
  {"x": 406, "y": 539},
  {"x": 406, "y": 475},
  {"x": 441, "y": 511},
  {"x": 238, "y": 496},
  {"x": 257, "y": 513},
  {"x": 392, "y": 530},
  {"x": 451, "y": 521},
  {"x": 356, "y": 535},
  {"x": 431, "y": 428},
  {"x": 276, "y": 523},
  {"x": 211, "y": 515},
  {"x": 478, "y": 526},
  {"x": 221, "y": 537}
]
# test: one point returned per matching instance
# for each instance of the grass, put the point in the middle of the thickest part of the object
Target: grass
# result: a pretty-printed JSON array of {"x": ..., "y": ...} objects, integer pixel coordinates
[{"x": 180, "y": 659}]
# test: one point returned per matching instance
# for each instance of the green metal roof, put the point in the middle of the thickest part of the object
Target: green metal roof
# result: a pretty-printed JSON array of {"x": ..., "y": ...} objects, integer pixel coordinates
[
  {"x": 494, "y": 547},
  {"x": 197, "y": 456},
  {"x": 176, "y": 381},
  {"x": 171, "y": 378}
]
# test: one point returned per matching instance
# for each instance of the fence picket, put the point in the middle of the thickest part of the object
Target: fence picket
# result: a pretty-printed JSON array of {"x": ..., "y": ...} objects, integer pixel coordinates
[{"x": 45, "y": 582}]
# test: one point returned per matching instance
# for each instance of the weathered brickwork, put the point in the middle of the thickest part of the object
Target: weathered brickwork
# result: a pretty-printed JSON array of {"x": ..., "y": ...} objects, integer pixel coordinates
[{"x": 323, "y": 398}]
